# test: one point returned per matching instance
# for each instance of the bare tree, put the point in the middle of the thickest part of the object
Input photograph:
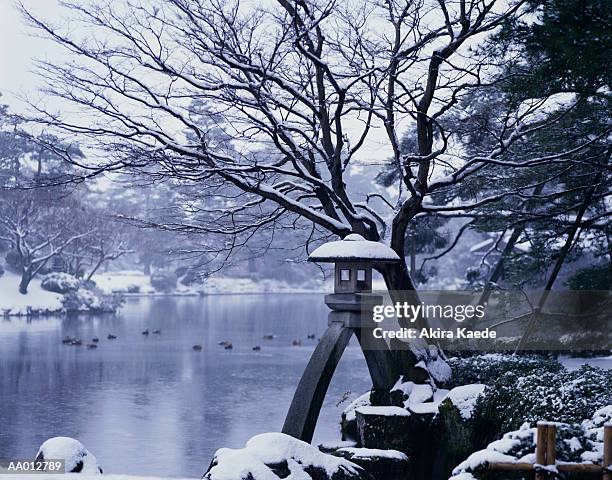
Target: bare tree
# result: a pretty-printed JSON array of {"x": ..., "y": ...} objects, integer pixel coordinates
[
  {"x": 35, "y": 231},
  {"x": 273, "y": 104}
]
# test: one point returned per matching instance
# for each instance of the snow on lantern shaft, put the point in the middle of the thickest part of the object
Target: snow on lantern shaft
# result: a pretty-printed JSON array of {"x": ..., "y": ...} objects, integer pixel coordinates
[{"x": 354, "y": 258}]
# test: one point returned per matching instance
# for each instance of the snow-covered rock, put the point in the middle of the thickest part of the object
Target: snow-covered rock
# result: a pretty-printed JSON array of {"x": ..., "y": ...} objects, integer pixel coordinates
[
  {"x": 380, "y": 463},
  {"x": 383, "y": 427},
  {"x": 273, "y": 456},
  {"x": 78, "y": 459}
]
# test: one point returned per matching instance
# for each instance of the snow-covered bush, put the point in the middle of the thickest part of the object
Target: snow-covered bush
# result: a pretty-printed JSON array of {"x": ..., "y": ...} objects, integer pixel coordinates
[
  {"x": 578, "y": 442},
  {"x": 276, "y": 456},
  {"x": 83, "y": 300},
  {"x": 1, "y": 270},
  {"x": 77, "y": 458},
  {"x": 489, "y": 367},
  {"x": 163, "y": 281},
  {"x": 564, "y": 396},
  {"x": 59, "y": 282}
]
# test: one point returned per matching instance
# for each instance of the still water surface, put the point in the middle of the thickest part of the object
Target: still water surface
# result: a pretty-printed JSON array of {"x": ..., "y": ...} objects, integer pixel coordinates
[{"x": 150, "y": 405}]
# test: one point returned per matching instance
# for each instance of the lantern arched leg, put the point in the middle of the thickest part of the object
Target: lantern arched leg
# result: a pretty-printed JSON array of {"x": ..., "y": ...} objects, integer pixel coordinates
[
  {"x": 379, "y": 361},
  {"x": 308, "y": 398}
]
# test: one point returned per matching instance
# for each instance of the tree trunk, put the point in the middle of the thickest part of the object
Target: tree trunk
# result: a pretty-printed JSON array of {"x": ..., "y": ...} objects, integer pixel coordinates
[
  {"x": 26, "y": 278},
  {"x": 147, "y": 267},
  {"x": 95, "y": 268}
]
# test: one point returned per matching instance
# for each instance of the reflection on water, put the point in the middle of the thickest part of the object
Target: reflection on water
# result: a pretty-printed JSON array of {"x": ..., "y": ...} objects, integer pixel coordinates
[{"x": 150, "y": 404}]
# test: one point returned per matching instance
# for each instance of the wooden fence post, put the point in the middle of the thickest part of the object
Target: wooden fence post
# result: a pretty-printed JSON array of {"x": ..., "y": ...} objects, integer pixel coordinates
[
  {"x": 541, "y": 447},
  {"x": 551, "y": 450},
  {"x": 607, "y": 456}
]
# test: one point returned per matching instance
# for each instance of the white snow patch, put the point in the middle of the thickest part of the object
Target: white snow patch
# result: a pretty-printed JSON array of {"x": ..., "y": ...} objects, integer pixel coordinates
[
  {"x": 273, "y": 448},
  {"x": 353, "y": 247},
  {"x": 15, "y": 303},
  {"x": 72, "y": 452},
  {"x": 384, "y": 411},
  {"x": 425, "y": 408},
  {"x": 573, "y": 363},
  {"x": 465, "y": 398},
  {"x": 479, "y": 458},
  {"x": 363, "y": 453},
  {"x": 420, "y": 394}
]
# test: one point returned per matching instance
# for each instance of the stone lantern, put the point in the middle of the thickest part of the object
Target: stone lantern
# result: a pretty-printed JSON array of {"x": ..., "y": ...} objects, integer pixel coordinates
[
  {"x": 354, "y": 258},
  {"x": 351, "y": 306}
]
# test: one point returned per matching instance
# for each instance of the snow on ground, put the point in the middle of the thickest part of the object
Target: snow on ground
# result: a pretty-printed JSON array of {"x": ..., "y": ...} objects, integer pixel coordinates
[
  {"x": 124, "y": 281},
  {"x": 226, "y": 285},
  {"x": 573, "y": 363},
  {"x": 36, "y": 298}
]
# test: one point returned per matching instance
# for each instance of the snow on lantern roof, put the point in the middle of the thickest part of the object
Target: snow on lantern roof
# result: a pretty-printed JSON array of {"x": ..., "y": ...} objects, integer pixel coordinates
[{"x": 353, "y": 248}]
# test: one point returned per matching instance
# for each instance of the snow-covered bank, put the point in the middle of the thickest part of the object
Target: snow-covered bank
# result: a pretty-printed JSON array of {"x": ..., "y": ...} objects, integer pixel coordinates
[
  {"x": 133, "y": 283},
  {"x": 14, "y": 303},
  {"x": 572, "y": 363}
]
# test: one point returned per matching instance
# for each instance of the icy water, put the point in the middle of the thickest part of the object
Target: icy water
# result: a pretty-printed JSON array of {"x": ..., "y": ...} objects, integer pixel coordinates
[{"x": 151, "y": 405}]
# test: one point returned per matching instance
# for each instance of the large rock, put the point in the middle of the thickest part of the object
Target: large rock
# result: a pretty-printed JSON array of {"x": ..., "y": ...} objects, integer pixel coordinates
[
  {"x": 382, "y": 464},
  {"x": 276, "y": 455},
  {"x": 383, "y": 427},
  {"x": 77, "y": 458}
]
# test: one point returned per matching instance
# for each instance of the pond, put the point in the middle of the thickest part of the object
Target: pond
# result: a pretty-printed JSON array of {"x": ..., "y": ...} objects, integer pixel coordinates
[{"x": 151, "y": 405}]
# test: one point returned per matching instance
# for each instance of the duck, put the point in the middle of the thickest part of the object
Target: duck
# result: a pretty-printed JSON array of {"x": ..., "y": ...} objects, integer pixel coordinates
[
  {"x": 92, "y": 346},
  {"x": 145, "y": 332},
  {"x": 156, "y": 332},
  {"x": 228, "y": 346},
  {"x": 111, "y": 336},
  {"x": 311, "y": 336},
  {"x": 296, "y": 343},
  {"x": 95, "y": 339},
  {"x": 197, "y": 348},
  {"x": 268, "y": 336},
  {"x": 256, "y": 348},
  {"x": 67, "y": 340},
  {"x": 76, "y": 342},
  {"x": 224, "y": 343}
]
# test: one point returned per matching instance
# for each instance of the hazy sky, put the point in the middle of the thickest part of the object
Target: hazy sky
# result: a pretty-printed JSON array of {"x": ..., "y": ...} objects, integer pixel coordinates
[{"x": 18, "y": 48}]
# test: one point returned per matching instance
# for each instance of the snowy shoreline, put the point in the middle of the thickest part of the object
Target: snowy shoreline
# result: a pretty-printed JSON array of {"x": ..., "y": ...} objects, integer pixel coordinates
[{"x": 130, "y": 284}]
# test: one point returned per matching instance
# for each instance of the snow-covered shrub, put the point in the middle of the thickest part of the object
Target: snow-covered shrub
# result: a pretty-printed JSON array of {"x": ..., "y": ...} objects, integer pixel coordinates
[
  {"x": 163, "y": 281},
  {"x": 133, "y": 289},
  {"x": 1, "y": 270},
  {"x": 276, "y": 455},
  {"x": 59, "y": 282},
  {"x": 83, "y": 300},
  {"x": 77, "y": 458},
  {"x": 489, "y": 367},
  {"x": 564, "y": 396},
  {"x": 578, "y": 442}
]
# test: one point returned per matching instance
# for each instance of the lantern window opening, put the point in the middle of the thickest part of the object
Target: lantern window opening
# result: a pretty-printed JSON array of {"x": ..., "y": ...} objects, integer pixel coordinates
[
  {"x": 361, "y": 275},
  {"x": 345, "y": 275}
]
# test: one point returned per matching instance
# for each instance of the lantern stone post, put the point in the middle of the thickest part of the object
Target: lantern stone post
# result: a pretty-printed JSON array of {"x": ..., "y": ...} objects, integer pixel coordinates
[{"x": 351, "y": 306}]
